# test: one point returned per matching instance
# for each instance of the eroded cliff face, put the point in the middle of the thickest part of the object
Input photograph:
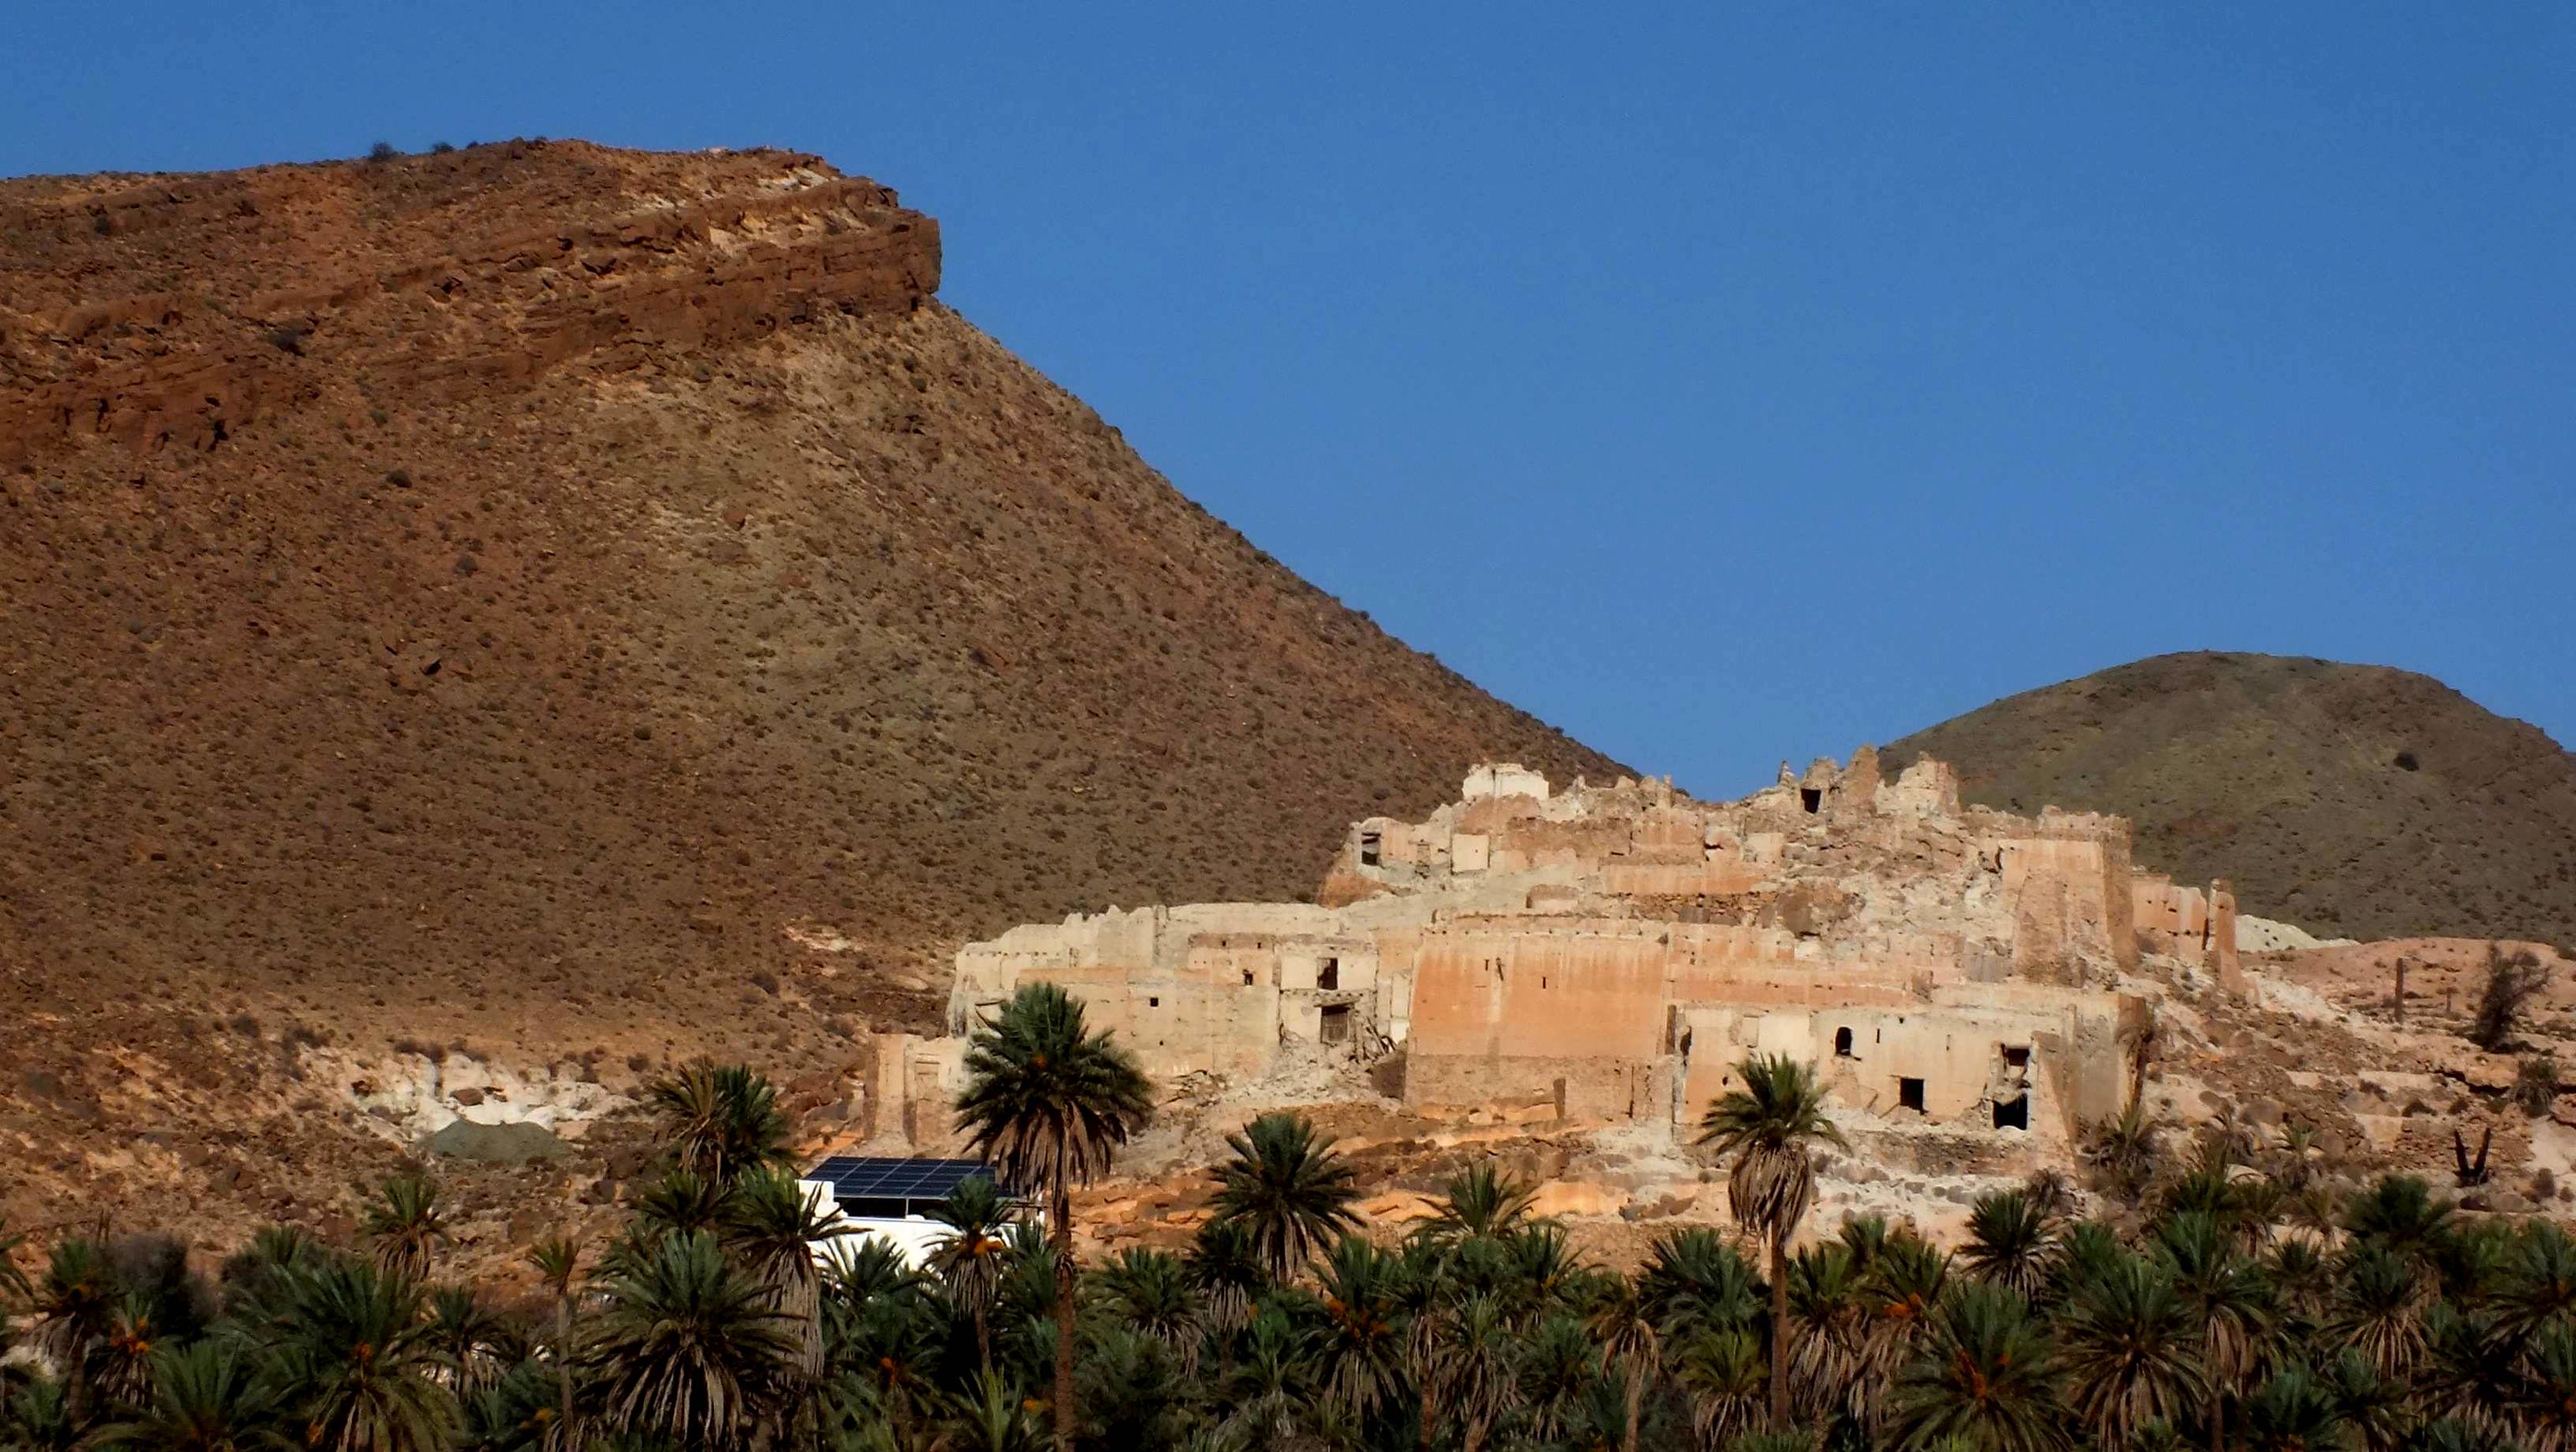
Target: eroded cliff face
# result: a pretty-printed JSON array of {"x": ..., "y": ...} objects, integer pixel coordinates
[
  {"x": 267, "y": 290},
  {"x": 569, "y": 610}
]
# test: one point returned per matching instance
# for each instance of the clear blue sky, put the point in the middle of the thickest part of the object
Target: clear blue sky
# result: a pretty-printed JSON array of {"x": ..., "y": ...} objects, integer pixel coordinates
[{"x": 1720, "y": 385}]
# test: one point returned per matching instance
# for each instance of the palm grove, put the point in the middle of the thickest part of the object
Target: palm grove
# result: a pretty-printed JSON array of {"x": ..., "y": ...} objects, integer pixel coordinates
[{"x": 2235, "y": 1293}]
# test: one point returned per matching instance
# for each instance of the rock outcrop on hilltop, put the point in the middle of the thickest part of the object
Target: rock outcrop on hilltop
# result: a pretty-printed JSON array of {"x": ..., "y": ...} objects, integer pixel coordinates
[
  {"x": 2356, "y": 801},
  {"x": 530, "y": 615}
]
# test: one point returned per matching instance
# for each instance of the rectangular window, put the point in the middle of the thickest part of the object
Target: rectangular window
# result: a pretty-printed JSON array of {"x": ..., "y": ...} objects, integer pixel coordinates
[
  {"x": 1328, "y": 974},
  {"x": 1336, "y": 1027},
  {"x": 1247, "y": 978},
  {"x": 1370, "y": 849},
  {"x": 1909, "y": 1094},
  {"x": 2013, "y": 1113}
]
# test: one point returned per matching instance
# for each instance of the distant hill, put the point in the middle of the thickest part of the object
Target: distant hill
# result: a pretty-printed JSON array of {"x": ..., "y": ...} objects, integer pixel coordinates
[
  {"x": 2354, "y": 800},
  {"x": 559, "y": 601}
]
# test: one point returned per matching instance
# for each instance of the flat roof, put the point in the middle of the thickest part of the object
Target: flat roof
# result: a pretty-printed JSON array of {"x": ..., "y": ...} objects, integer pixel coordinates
[{"x": 866, "y": 1177}]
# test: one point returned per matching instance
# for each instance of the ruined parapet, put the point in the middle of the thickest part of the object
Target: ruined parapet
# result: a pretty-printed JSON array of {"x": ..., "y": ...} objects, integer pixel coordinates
[
  {"x": 1861, "y": 781},
  {"x": 910, "y": 1086},
  {"x": 1927, "y": 788},
  {"x": 2222, "y": 959},
  {"x": 1502, "y": 779}
]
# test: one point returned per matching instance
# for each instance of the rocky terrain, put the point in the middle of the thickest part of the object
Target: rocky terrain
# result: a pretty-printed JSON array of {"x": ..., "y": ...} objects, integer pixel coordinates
[
  {"x": 2356, "y": 801},
  {"x": 518, "y": 618}
]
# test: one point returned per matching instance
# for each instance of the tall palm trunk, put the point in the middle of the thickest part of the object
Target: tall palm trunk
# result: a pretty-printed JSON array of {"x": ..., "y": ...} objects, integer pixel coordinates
[
  {"x": 1636, "y": 1404},
  {"x": 1779, "y": 1331},
  {"x": 563, "y": 1364},
  {"x": 1063, "y": 1237}
]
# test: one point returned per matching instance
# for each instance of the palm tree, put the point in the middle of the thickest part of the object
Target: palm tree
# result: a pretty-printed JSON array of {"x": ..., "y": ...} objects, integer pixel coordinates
[
  {"x": 557, "y": 1260},
  {"x": 2130, "y": 1351},
  {"x": 1483, "y": 1202},
  {"x": 1558, "y": 1364},
  {"x": 406, "y": 1225},
  {"x": 992, "y": 1416},
  {"x": 1693, "y": 1281},
  {"x": 2294, "y": 1412},
  {"x": 39, "y": 1420},
  {"x": 1624, "y": 1327},
  {"x": 513, "y": 1414},
  {"x": 1908, "y": 1280},
  {"x": 466, "y": 1335},
  {"x": 1048, "y": 1102},
  {"x": 1287, "y": 1186},
  {"x": 2548, "y": 1401},
  {"x": 2539, "y": 1280},
  {"x": 2401, "y": 1214},
  {"x": 1474, "y": 1364},
  {"x": 1830, "y": 1309},
  {"x": 205, "y": 1398},
  {"x": 2229, "y": 1305},
  {"x": 722, "y": 1121},
  {"x": 74, "y": 1310},
  {"x": 122, "y": 1364},
  {"x": 2378, "y": 1310},
  {"x": 1722, "y": 1376},
  {"x": 1361, "y": 1340},
  {"x": 968, "y": 1258},
  {"x": 351, "y": 1360},
  {"x": 1987, "y": 1379},
  {"x": 686, "y": 1349},
  {"x": 2009, "y": 1242},
  {"x": 1227, "y": 1273},
  {"x": 1149, "y": 1292},
  {"x": 773, "y": 1226},
  {"x": 682, "y": 1202},
  {"x": 1269, "y": 1379},
  {"x": 1771, "y": 1126},
  {"x": 2124, "y": 1153}
]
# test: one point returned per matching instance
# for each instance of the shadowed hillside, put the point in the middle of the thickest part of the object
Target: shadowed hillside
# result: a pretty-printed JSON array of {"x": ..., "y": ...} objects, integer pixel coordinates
[
  {"x": 562, "y": 602},
  {"x": 2357, "y": 801}
]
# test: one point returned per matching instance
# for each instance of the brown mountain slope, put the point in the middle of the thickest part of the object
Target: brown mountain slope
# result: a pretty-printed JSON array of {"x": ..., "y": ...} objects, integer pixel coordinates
[
  {"x": 589, "y": 603},
  {"x": 2358, "y": 801}
]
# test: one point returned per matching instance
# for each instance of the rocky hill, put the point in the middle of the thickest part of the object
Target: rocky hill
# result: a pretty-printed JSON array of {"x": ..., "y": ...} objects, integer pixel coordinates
[
  {"x": 2358, "y": 801},
  {"x": 554, "y": 611}
]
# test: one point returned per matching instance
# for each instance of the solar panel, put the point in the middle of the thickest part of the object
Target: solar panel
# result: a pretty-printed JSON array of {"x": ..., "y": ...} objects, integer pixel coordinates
[{"x": 869, "y": 1178}]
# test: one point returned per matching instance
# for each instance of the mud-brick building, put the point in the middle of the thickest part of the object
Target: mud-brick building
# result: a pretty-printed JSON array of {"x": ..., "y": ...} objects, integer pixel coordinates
[{"x": 1622, "y": 948}]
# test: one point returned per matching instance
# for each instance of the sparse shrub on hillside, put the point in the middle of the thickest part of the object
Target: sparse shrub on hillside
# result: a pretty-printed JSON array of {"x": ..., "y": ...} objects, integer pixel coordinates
[
  {"x": 2535, "y": 1084},
  {"x": 2509, "y": 985},
  {"x": 383, "y": 151}
]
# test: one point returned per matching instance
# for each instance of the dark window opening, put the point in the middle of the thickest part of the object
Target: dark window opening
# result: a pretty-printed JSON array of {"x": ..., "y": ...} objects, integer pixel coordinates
[
  {"x": 1812, "y": 798},
  {"x": 1153, "y": 1003},
  {"x": 1247, "y": 978},
  {"x": 1336, "y": 1028},
  {"x": 874, "y": 1209},
  {"x": 1909, "y": 1094},
  {"x": 2017, "y": 1056},
  {"x": 1842, "y": 1043},
  {"x": 1328, "y": 974},
  {"x": 2013, "y": 1113},
  {"x": 1369, "y": 849}
]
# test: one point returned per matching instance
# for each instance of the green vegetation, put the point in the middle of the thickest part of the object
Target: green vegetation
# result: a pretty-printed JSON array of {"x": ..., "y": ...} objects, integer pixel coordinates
[{"x": 2241, "y": 1302}]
